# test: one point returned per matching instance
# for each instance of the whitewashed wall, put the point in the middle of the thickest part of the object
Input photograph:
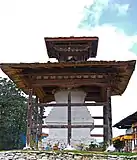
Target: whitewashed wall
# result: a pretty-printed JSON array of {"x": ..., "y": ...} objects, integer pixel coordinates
[{"x": 80, "y": 115}]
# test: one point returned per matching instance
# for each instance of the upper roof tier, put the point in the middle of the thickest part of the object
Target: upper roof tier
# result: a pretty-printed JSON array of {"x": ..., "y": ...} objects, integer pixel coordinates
[{"x": 72, "y": 48}]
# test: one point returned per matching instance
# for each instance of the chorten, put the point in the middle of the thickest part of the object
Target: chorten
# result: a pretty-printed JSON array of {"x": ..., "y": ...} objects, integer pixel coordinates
[
  {"x": 70, "y": 50},
  {"x": 73, "y": 83}
]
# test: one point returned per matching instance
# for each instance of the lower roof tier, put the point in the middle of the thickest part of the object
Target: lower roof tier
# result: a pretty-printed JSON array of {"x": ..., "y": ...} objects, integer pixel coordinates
[{"x": 92, "y": 76}]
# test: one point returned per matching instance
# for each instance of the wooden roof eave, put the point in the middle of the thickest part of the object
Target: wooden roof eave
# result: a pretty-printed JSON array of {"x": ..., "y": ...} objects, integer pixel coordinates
[
  {"x": 68, "y": 64},
  {"x": 13, "y": 70},
  {"x": 15, "y": 77},
  {"x": 126, "y": 78}
]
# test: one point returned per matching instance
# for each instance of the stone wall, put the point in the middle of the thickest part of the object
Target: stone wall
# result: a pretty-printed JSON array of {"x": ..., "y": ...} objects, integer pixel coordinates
[{"x": 39, "y": 155}]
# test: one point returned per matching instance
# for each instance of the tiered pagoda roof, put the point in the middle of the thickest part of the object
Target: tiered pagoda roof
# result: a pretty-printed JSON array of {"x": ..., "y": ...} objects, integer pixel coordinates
[{"x": 72, "y": 71}]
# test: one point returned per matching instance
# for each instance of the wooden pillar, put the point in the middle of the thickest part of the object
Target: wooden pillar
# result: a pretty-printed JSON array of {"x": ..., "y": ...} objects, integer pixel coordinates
[
  {"x": 40, "y": 121},
  {"x": 110, "y": 120},
  {"x": 29, "y": 120},
  {"x": 105, "y": 123},
  {"x": 134, "y": 137},
  {"x": 36, "y": 126},
  {"x": 107, "y": 120},
  {"x": 69, "y": 118}
]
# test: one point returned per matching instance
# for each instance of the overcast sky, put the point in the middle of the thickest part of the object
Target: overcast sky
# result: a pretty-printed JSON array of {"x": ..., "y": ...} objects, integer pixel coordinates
[{"x": 25, "y": 23}]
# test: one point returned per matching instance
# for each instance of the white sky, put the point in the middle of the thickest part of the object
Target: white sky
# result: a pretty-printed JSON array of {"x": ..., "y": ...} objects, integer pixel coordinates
[{"x": 25, "y": 23}]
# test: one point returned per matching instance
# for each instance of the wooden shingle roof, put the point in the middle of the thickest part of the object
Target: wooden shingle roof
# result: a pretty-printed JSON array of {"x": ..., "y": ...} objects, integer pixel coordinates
[{"x": 17, "y": 72}]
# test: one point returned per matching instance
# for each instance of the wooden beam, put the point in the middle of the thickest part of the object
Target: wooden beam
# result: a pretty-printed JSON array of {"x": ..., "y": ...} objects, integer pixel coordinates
[
  {"x": 72, "y": 104},
  {"x": 69, "y": 74},
  {"x": 69, "y": 82},
  {"x": 94, "y": 96},
  {"x": 110, "y": 115},
  {"x": 107, "y": 120},
  {"x": 88, "y": 89},
  {"x": 48, "y": 97},
  {"x": 69, "y": 117},
  {"x": 96, "y": 135},
  {"x": 72, "y": 126},
  {"x": 69, "y": 39},
  {"x": 69, "y": 68},
  {"x": 97, "y": 117},
  {"x": 29, "y": 120},
  {"x": 94, "y": 117},
  {"x": 37, "y": 117}
]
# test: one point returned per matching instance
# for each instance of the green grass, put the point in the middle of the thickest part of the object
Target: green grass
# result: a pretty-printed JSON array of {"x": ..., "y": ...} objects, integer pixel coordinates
[{"x": 105, "y": 153}]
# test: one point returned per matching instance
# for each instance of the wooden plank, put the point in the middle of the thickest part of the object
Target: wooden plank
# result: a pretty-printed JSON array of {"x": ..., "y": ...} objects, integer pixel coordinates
[
  {"x": 29, "y": 120},
  {"x": 72, "y": 104},
  {"x": 69, "y": 39},
  {"x": 109, "y": 115},
  {"x": 97, "y": 117},
  {"x": 107, "y": 119},
  {"x": 37, "y": 118},
  {"x": 96, "y": 135},
  {"x": 68, "y": 82},
  {"x": 70, "y": 69},
  {"x": 49, "y": 73},
  {"x": 94, "y": 117},
  {"x": 69, "y": 117}
]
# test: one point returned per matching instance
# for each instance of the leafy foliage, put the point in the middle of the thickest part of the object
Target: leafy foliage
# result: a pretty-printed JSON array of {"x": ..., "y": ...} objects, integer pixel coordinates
[
  {"x": 92, "y": 145},
  {"x": 119, "y": 144},
  {"x": 13, "y": 109}
]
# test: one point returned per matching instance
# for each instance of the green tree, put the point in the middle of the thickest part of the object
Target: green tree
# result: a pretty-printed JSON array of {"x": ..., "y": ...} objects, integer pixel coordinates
[
  {"x": 13, "y": 109},
  {"x": 92, "y": 145},
  {"x": 119, "y": 144}
]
